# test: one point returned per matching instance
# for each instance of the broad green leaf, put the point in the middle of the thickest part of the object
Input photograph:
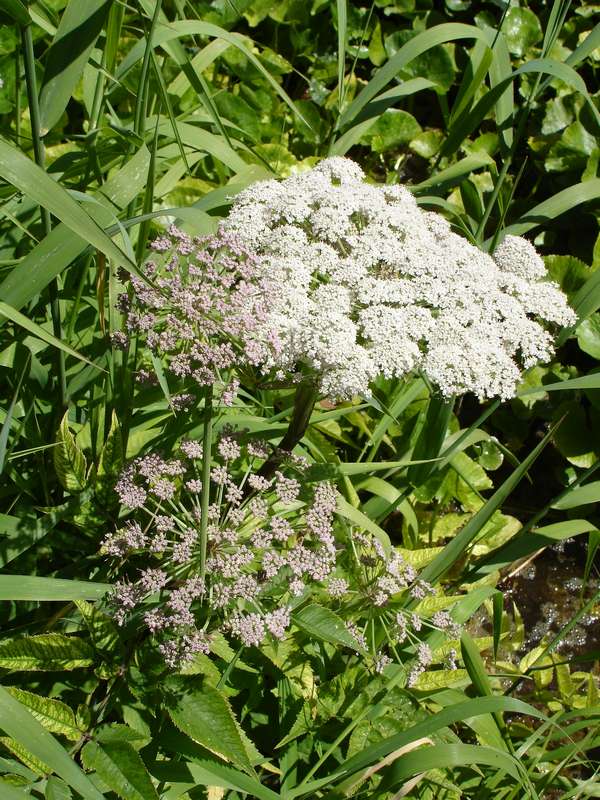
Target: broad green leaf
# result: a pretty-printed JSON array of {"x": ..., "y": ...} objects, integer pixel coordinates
[
  {"x": 79, "y": 27},
  {"x": 24, "y": 728},
  {"x": 57, "y": 789},
  {"x": 521, "y": 29},
  {"x": 69, "y": 461},
  {"x": 54, "y": 715},
  {"x": 10, "y": 792},
  {"x": 48, "y": 651},
  {"x": 204, "y": 714},
  {"x": 24, "y": 755},
  {"x": 433, "y": 680},
  {"x": 104, "y": 633},
  {"x": 27, "y": 587},
  {"x": 121, "y": 768},
  {"x": 391, "y": 130},
  {"x": 325, "y": 625},
  {"x": 588, "y": 336}
]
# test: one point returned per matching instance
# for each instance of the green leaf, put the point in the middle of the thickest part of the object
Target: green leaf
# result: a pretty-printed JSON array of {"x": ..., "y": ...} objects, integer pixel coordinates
[
  {"x": 121, "y": 768},
  {"x": 79, "y": 27},
  {"x": 33, "y": 182},
  {"x": 422, "y": 42},
  {"x": 104, "y": 633},
  {"x": 57, "y": 789},
  {"x": 588, "y": 336},
  {"x": 579, "y": 496},
  {"x": 436, "y": 722},
  {"x": 8, "y": 312},
  {"x": 24, "y": 728},
  {"x": 25, "y": 756},
  {"x": 435, "y": 64},
  {"x": 204, "y": 773},
  {"x": 48, "y": 651},
  {"x": 521, "y": 29},
  {"x": 446, "y": 756},
  {"x": 454, "y": 549},
  {"x": 17, "y": 10},
  {"x": 204, "y": 714},
  {"x": 325, "y": 625},
  {"x": 10, "y": 792},
  {"x": 69, "y": 461},
  {"x": 54, "y": 715},
  {"x": 111, "y": 461},
  {"x": 27, "y": 587},
  {"x": 391, "y": 130},
  {"x": 57, "y": 250}
]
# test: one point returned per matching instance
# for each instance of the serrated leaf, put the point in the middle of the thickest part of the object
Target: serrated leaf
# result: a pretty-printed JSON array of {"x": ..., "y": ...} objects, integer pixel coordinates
[
  {"x": 111, "y": 457},
  {"x": 116, "y": 732},
  {"x": 23, "y": 754},
  {"x": 69, "y": 461},
  {"x": 204, "y": 714},
  {"x": 54, "y": 715},
  {"x": 103, "y": 631},
  {"x": 49, "y": 651},
  {"x": 121, "y": 768},
  {"x": 19, "y": 724},
  {"x": 325, "y": 625},
  {"x": 419, "y": 558}
]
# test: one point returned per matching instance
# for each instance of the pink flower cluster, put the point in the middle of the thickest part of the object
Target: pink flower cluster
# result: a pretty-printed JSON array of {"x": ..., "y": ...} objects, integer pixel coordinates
[
  {"x": 266, "y": 546},
  {"x": 203, "y": 310}
]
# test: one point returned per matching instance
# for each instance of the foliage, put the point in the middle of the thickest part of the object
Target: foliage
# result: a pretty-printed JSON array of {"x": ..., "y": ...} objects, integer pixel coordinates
[{"x": 117, "y": 119}]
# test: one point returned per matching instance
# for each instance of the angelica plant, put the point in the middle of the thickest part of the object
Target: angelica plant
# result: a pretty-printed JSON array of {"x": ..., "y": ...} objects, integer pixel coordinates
[
  {"x": 273, "y": 545},
  {"x": 369, "y": 284}
]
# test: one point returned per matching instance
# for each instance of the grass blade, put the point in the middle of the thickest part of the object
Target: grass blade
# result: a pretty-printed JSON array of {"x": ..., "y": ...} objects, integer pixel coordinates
[{"x": 22, "y": 726}]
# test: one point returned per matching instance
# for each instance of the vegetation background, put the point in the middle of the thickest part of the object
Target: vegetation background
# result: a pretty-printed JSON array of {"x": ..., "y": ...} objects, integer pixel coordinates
[{"x": 118, "y": 117}]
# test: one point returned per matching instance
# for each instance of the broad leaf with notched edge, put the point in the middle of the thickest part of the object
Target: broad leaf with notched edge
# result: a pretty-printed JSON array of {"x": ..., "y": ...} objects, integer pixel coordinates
[
  {"x": 69, "y": 461},
  {"x": 203, "y": 713},
  {"x": 49, "y": 651},
  {"x": 121, "y": 768},
  {"x": 52, "y": 714},
  {"x": 325, "y": 625}
]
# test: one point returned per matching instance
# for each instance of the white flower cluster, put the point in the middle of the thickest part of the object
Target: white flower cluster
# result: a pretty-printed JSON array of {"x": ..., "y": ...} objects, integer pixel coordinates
[{"x": 369, "y": 284}]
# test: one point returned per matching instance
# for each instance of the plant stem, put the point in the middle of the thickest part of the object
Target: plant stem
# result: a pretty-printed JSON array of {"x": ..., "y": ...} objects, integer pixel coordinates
[
  {"x": 38, "y": 151},
  {"x": 206, "y": 464},
  {"x": 304, "y": 403}
]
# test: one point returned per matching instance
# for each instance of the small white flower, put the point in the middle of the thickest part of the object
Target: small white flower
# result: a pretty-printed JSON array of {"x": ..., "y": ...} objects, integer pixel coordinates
[{"x": 365, "y": 283}]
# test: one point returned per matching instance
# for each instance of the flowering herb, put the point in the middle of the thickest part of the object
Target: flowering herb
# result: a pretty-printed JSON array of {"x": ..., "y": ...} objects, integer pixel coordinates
[
  {"x": 204, "y": 310},
  {"x": 369, "y": 284},
  {"x": 272, "y": 545}
]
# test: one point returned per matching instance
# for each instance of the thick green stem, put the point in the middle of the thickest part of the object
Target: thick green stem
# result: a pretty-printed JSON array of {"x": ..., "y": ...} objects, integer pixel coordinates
[
  {"x": 206, "y": 465},
  {"x": 38, "y": 150}
]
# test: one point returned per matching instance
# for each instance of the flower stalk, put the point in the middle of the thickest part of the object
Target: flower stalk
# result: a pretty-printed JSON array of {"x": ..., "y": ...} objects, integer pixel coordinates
[
  {"x": 206, "y": 465},
  {"x": 304, "y": 402}
]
